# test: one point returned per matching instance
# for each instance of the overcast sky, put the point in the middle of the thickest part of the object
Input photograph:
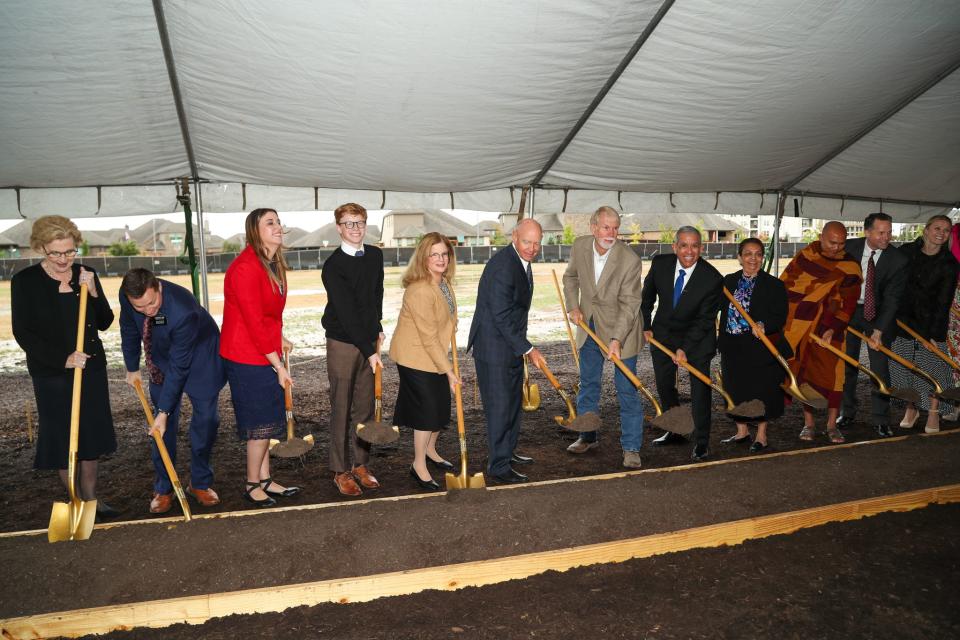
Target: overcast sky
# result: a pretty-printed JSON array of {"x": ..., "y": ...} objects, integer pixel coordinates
[{"x": 227, "y": 224}]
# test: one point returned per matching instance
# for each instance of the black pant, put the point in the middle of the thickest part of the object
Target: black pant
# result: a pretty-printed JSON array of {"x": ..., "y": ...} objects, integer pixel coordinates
[
  {"x": 879, "y": 364},
  {"x": 665, "y": 373}
]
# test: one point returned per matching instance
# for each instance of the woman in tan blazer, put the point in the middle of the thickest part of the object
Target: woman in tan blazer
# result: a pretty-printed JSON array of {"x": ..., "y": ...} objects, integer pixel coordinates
[{"x": 420, "y": 346}]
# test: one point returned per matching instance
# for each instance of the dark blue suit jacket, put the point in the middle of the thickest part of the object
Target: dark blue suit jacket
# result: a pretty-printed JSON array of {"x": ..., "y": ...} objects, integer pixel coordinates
[
  {"x": 498, "y": 334},
  {"x": 186, "y": 348}
]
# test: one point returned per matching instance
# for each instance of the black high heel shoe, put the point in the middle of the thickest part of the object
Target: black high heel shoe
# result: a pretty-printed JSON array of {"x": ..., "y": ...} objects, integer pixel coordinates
[
  {"x": 286, "y": 493},
  {"x": 426, "y": 485},
  {"x": 266, "y": 502},
  {"x": 442, "y": 465}
]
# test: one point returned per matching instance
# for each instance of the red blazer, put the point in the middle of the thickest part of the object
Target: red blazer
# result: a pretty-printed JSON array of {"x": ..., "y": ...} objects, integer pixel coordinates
[{"x": 252, "y": 312}]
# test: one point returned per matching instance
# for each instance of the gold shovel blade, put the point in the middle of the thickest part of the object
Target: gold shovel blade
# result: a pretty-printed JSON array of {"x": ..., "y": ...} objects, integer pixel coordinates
[
  {"x": 72, "y": 521},
  {"x": 475, "y": 481}
]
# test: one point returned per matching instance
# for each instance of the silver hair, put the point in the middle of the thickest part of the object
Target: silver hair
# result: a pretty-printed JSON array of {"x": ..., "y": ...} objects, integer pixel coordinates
[
  {"x": 687, "y": 229},
  {"x": 607, "y": 211}
]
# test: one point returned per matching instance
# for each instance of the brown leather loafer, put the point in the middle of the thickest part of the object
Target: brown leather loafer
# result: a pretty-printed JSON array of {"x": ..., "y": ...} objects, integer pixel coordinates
[
  {"x": 346, "y": 484},
  {"x": 206, "y": 497},
  {"x": 161, "y": 502},
  {"x": 365, "y": 478}
]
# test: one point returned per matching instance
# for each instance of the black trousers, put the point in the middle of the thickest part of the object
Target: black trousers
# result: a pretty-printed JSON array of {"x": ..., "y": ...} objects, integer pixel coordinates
[
  {"x": 879, "y": 364},
  {"x": 500, "y": 390},
  {"x": 665, "y": 373}
]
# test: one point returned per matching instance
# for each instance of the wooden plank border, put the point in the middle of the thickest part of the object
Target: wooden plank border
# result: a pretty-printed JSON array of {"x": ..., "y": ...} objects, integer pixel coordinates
[
  {"x": 426, "y": 496},
  {"x": 201, "y": 608}
]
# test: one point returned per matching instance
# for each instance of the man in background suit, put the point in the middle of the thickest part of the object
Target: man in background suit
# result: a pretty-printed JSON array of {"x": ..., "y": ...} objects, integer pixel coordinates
[
  {"x": 602, "y": 287},
  {"x": 498, "y": 337},
  {"x": 181, "y": 345},
  {"x": 884, "y": 278},
  {"x": 687, "y": 290}
]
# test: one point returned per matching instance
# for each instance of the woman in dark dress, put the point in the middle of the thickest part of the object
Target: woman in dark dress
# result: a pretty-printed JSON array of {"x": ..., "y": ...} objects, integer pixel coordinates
[
  {"x": 925, "y": 308},
  {"x": 420, "y": 344},
  {"x": 750, "y": 372},
  {"x": 46, "y": 300}
]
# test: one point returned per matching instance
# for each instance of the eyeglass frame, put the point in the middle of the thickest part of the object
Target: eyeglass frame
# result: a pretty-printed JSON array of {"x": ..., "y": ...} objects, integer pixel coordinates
[
  {"x": 69, "y": 253},
  {"x": 439, "y": 256},
  {"x": 352, "y": 224}
]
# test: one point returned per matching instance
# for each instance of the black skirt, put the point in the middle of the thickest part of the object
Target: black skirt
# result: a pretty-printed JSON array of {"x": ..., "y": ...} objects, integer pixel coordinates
[
  {"x": 54, "y": 399},
  {"x": 423, "y": 401},
  {"x": 750, "y": 372}
]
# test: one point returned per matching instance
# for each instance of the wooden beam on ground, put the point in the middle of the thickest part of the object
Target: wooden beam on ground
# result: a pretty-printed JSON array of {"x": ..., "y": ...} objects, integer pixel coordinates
[
  {"x": 174, "y": 520},
  {"x": 199, "y": 609}
]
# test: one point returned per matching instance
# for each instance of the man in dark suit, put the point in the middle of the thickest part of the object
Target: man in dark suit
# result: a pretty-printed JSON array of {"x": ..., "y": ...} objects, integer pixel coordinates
[
  {"x": 498, "y": 337},
  {"x": 687, "y": 290},
  {"x": 884, "y": 277},
  {"x": 181, "y": 346}
]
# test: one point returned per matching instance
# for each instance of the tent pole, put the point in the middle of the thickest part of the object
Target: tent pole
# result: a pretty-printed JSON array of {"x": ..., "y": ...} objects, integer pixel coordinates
[
  {"x": 772, "y": 259},
  {"x": 184, "y": 199},
  {"x": 205, "y": 289},
  {"x": 607, "y": 86}
]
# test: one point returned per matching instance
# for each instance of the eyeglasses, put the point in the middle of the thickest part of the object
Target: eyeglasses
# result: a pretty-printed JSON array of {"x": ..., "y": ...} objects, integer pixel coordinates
[
  {"x": 439, "y": 256},
  {"x": 359, "y": 224},
  {"x": 61, "y": 254}
]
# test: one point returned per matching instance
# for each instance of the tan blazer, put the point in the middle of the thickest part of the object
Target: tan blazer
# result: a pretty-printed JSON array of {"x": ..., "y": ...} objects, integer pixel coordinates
[
  {"x": 614, "y": 302},
  {"x": 422, "y": 337}
]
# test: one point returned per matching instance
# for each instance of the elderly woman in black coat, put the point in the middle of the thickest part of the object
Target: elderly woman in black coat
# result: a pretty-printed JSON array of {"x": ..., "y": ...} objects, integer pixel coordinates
[
  {"x": 925, "y": 308},
  {"x": 750, "y": 372}
]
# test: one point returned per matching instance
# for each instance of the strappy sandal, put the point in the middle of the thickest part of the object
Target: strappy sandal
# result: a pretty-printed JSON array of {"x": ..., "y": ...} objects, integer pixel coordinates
[
  {"x": 266, "y": 502},
  {"x": 835, "y": 436},
  {"x": 286, "y": 493},
  {"x": 806, "y": 434}
]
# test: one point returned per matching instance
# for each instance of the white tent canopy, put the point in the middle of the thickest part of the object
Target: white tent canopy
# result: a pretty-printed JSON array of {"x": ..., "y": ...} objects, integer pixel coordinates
[{"x": 652, "y": 105}]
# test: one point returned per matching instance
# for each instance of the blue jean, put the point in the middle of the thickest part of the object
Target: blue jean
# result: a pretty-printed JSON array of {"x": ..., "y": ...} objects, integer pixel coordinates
[{"x": 588, "y": 400}]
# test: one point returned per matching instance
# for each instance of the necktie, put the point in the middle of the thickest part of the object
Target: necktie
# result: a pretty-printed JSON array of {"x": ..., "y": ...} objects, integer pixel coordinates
[
  {"x": 869, "y": 298},
  {"x": 678, "y": 287},
  {"x": 530, "y": 276},
  {"x": 359, "y": 253},
  {"x": 156, "y": 376}
]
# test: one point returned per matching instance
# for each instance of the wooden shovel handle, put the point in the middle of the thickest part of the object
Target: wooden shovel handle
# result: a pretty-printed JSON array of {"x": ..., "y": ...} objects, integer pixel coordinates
[
  {"x": 623, "y": 368},
  {"x": 753, "y": 325},
  {"x": 900, "y": 360},
  {"x": 549, "y": 375},
  {"x": 287, "y": 391},
  {"x": 853, "y": 363},
  {"x": 75, "y": 402},
  {"x": 164, "y": 454},
  {"x": 929, "y": 346},
  {"x": 686, "y": 365},
  {"x": 566, "y": 319}
]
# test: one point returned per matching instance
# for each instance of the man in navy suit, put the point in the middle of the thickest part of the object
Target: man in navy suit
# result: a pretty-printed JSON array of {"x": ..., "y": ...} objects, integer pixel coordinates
[
  {"x": 181, "y": 345},
  {"x": 876, "y": 315},
  {"x": 687, "y": 290},
  {"x": 498, "y": 337}
]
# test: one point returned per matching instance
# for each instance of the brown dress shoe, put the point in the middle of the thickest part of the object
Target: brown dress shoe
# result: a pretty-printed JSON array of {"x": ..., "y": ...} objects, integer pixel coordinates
[
  {"x": 161, "y": 502},
  {"x": 346, "y": 484},
  {"x": 366, "y": 479},
  {"x": 206, "y": 497}
]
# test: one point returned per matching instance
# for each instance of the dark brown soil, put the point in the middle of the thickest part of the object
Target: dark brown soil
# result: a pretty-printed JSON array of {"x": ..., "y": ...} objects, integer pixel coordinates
[
  {"x": 290, "y": 547},
  {"x": 126, "y": 478},
  {"x": 895, "y": 575}
]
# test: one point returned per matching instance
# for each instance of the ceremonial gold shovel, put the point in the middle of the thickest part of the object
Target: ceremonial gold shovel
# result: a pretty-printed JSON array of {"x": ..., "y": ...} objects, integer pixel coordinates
[
  {"x": 462, "y": 481},
  {"x": 803, "y": 393},
  {"x": 378, "y": 432},
  {"x": 587, "y": 422},
  {"x": 938, "y": 390},
  {"x": 531, "y": 392},
  {"x": 640, "y": 387},
  {"x": 566, "y": 321},
  {"x": 951, "y": 395},
  {"x": 904, "y": 394},
  {"x": 750, "y": 409},
  {"x": 292, "y": 447},
  {"x": 74, "y": 520},
  {"x": 164, "y": 454}
]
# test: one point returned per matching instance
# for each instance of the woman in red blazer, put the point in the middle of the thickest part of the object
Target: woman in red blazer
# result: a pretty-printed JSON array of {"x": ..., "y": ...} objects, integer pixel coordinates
[{"x": 251, "y": 340}]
